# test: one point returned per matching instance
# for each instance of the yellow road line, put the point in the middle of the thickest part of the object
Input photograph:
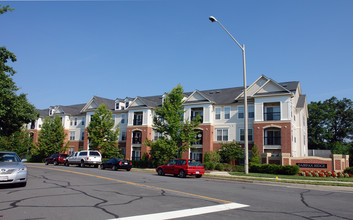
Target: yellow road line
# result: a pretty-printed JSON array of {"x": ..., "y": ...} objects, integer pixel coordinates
[{"x": 134, "y": 184}]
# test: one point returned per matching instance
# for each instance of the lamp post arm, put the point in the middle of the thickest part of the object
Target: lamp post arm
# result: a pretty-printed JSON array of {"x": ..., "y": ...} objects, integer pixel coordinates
[{"x": 231, "y": 35}]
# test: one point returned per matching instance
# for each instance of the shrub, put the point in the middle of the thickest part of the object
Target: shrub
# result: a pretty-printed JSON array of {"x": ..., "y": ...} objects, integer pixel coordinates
[
  {"x": 212, "y": 156},
  {"x": 209, "y": 166},
  {"x": 274, "y": 169},
  {"x": 348, "y": 170},
  {"x": 219, "y": 166},
  {"x": 237, "y": 168},
  {"x": 227, "y": 167}
]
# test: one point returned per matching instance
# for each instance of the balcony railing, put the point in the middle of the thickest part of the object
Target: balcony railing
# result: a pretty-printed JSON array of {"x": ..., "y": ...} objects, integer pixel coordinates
[
  {"x": 136, "y": 140},
  {"x": 272, "y": 116},
  {"x": 138, "y": 121},
  {"x": 193, "y": 118},
  {"x": 272, "y": 140}
]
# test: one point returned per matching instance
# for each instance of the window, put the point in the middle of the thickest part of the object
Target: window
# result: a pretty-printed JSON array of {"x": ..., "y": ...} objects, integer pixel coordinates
[
  {"x": 222, "y": 134},
  {"x": 82, "y": 136},
  {"x": 72, "y": 135},
  {"x": 218, "y": 113},
  {"x": 123, "y": 136},
  {"x": 83, "y": 121},
  {"x": 198, "y": 138},
  {"x": 272, "y": 137},
  {"x": 122, "y": 118},
  {"x": 195, "y": 112},
  {"x": 240, "y": 111},
  {"x": 242, "y": 135},
  {"x": 138, "y": 118},
  {"x": 75, "y": 121},
  {"x": 251, "y": 111},
  {"x": 272, "y": 112},
  {"x": 226, "y": 112},
  {"x": 136, "y": 137},
  {"x": 70, "y": 122}
]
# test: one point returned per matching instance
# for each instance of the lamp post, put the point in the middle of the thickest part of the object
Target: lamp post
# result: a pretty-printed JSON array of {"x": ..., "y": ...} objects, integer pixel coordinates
[{"x": 246, "y": 142}]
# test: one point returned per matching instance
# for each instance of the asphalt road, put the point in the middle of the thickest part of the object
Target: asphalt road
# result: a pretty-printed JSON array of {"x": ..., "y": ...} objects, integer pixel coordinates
[{"x": 58, "y": 192}]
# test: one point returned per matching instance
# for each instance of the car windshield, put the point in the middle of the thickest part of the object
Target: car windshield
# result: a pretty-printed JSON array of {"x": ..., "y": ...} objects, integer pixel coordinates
[{"x": 9, "y": 157}]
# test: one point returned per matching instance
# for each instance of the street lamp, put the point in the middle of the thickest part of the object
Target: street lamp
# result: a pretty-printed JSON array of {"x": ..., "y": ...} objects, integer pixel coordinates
[{"x": 246, "y": 142}]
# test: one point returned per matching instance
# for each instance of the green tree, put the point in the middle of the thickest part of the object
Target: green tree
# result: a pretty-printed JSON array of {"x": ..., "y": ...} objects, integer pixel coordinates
[
  {"x": 330, "y": 125},
  {"x": 255, "y": 155},
  {"x": 15, "y": 110},
  {"x": 51, "y": 138},
  {"x": 231, "y": 151},
  {"x": 19, "y": 142},
  {"x": 177, "y": 134},
  {"x": 212, "y": 156},
  {"x": 101, "y": 133}
]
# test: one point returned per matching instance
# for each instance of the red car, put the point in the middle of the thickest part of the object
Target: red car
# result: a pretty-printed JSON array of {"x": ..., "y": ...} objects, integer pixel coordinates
[
  {"x": 181, "y": 168},
  {"x": 56, "y": 159}
]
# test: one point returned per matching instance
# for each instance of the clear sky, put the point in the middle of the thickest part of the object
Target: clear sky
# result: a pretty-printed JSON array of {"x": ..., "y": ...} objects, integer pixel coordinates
[{"x": 69, "y": 51}]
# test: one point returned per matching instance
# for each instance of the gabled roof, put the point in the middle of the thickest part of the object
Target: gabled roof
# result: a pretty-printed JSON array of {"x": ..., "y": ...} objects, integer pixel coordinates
[
  {"x": 197, "y": 97},
  {"x": 265, "y": 86},
  {"x": 97, "y": 101}
]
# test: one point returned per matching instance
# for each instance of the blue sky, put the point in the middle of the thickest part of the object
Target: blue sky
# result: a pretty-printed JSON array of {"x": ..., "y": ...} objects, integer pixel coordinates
[{"x": 69, "y": 51}]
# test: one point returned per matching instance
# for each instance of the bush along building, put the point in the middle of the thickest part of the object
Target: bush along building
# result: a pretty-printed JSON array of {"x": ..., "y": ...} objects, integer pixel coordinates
[{"x": 277, "y": 114}]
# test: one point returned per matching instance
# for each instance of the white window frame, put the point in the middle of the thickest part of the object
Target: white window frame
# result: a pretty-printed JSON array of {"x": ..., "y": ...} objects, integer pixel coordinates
[
  {"x": 250, "y": 134},
  {"x": 222, "y": 130},
  {"x": 241, "y": 112},
  {"x": 225, "y": 112},
  {"x": 72, "y": 135},
  {"x": 218, "y": 113}
]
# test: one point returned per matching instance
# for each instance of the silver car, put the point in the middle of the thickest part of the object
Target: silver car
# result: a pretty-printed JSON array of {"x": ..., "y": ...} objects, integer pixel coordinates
[{"x": 12, "y": 170}]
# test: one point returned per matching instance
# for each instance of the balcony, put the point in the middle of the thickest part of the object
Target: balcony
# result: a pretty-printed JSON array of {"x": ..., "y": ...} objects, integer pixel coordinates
[
  {"x": 272, "y": 116},
  {"x": 137, "y": 121}
]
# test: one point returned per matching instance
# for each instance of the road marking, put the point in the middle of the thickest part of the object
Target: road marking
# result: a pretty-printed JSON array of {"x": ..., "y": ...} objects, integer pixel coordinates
[
  {"x": 186, "y": 212},
  {"x": 136, "y": 184}
]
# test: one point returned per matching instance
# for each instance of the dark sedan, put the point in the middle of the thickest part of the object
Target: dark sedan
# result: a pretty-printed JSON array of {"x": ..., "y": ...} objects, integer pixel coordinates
[{"x": 116, "y": 163}]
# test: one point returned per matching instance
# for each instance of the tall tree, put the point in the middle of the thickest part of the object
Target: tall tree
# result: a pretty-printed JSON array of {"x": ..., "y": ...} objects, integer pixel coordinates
[
  {"x": 51, "y": 138},
  {"x": 15, "y": 110},
  {"x": 19, "y": 142},
  {"x": 102, "y": 134},
  {"x": 176, "y": 133},
  {"x": 330, "y": 125}
]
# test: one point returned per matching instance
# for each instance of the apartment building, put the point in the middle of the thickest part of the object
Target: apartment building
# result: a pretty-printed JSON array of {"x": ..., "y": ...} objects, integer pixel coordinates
[{"x": 277, "y": 115}]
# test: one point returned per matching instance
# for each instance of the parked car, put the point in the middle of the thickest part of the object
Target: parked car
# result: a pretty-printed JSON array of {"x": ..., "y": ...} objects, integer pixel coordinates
[
  {"x": 181, "y": 168},
  {"x": 84, "y": 158},
  {"x": 56, "y": 159},
  {"x": 12, "y": 170},
  {"x": 116, "y": 163}
]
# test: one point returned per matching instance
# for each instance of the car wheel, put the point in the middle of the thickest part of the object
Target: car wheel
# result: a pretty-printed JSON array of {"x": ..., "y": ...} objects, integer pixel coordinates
[
  {"x": 128, "y": 169},
  {"x": 114, "y": 167},
  {"x": 82, "y": 164},
  {"x": 67, "y": 163},
  {"x": 198, "y": 176},
  {"x": 55, "y": 163},
  {"x": 102, "y": 167},
  {"x": 160, "y": 172},
  {"x": 46, "y": 162},
  {"x": 96, "y": 166},
  {"x": 182, "y": 174}
]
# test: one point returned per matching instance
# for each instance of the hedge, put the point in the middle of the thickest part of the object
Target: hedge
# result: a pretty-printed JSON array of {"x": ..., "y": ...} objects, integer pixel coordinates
[
  {"x": 348, "y": 170},
  {"x": 274, "y": 169}
]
